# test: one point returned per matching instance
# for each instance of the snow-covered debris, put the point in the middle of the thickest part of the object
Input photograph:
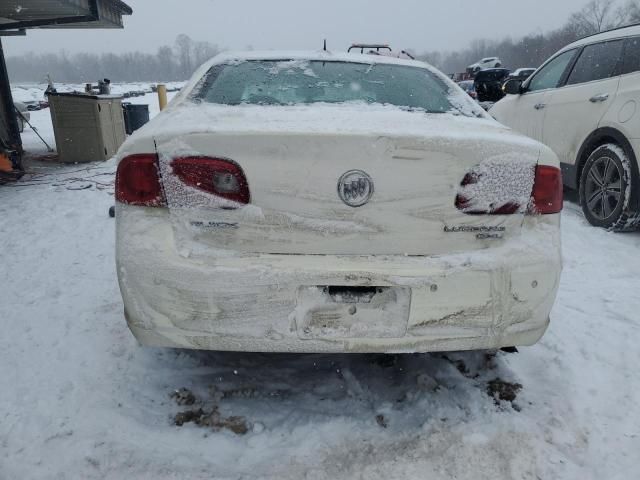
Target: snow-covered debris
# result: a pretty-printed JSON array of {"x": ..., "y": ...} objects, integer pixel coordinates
[{"x": 501, "y": 182}]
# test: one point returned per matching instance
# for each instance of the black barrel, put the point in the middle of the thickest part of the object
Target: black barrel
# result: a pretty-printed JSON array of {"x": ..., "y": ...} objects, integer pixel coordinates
[{"x": 135, "y": 116}]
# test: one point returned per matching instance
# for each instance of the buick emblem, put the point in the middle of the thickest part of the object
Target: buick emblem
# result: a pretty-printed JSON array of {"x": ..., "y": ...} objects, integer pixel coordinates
[{"x": 355, "y": 188}]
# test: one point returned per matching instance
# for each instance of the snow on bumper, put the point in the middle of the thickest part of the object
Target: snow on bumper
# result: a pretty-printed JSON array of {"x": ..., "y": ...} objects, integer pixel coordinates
[{"x": 281, "y": 303}]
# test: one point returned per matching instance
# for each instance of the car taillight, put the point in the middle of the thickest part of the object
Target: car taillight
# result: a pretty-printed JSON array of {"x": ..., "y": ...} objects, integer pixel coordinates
[
  {"x": 482, "y": 201},
  {"x": 138, "y": 181},
  {"x": 220, "y": 177},
  {"x": 547, "y": 191}
]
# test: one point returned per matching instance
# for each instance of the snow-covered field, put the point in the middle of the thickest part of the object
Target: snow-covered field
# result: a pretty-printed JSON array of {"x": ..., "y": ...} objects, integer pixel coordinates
[
  {"x": 33, "y": 92},
  {"x": 80, "y": 399}
]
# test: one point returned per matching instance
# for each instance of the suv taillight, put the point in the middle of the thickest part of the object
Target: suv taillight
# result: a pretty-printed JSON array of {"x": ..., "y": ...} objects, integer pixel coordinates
[
  {"x": 547, "y": 191},
  {"x": 138, "y": 181},
  {"x": 220, "y": 177}
]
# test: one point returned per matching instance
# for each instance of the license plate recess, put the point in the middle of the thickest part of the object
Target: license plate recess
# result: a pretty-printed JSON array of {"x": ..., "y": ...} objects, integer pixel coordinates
[{"x": 334, "y": 311}]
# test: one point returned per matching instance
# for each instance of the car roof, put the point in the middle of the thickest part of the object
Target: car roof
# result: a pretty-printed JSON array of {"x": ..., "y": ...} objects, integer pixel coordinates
[
  {"x": 493, "y": 70},
  {"x": 321, "y": 55},
  {"x": 622, "y": 32}
]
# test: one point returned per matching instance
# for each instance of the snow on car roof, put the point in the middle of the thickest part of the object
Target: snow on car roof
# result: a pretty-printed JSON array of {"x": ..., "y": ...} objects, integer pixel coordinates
[{"x": 313, "y": 55}]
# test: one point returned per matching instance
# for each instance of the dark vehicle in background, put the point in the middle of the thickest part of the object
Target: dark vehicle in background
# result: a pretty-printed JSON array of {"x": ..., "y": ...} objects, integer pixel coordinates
[
  {"x": 521, "y": 74},
  {"x": 469, "y": 88},
  {"x": 488, "y": 84}
]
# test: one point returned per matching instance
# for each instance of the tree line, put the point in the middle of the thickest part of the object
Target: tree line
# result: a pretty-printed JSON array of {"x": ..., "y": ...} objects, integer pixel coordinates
[
  {"x": 179, "y": 61},
  {"x": 169, "y": 63},
  {"x": 532, "y": 50}
]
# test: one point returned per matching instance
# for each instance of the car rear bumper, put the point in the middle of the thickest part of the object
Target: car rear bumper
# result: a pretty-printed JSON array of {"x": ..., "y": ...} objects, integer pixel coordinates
[{"x": 276, "y": 303}]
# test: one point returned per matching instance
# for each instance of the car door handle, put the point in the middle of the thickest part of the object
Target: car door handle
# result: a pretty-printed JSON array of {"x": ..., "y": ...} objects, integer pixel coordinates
[
  {"x": 603, "y": 97},
  {"x": 539, "y": 106}
]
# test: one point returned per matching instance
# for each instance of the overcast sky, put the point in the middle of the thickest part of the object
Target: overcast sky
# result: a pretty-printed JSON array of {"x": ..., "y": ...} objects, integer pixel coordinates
[{"x": 419, "y": 25}]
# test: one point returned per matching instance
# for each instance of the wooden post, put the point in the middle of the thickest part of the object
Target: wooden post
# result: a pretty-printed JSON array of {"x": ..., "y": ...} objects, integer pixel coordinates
[{"x": 162, "y": 96}]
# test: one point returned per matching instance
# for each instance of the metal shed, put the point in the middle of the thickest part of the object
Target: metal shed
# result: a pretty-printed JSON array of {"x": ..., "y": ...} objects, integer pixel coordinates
[{"x": 16, "y": 17}]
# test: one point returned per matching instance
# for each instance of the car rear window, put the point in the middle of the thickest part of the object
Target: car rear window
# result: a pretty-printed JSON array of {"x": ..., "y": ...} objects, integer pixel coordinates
[{"x": 294, "y": 82}]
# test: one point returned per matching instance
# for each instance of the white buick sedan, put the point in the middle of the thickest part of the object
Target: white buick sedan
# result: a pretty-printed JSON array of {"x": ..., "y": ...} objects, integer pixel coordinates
[{"x": 319, "y": 202}]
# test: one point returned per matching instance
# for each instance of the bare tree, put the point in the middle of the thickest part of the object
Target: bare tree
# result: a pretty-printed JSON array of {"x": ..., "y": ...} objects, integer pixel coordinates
[
  {"x": 166, "y": 61},
  {"x": 168, "y": 64},
  {"x": 533, "y": 49},
  {"x": 184, "y": 47},
  {"x": 204, "y": 51},
  {"x": 596, "y": 16},
  {"x": 629, "y": 13}
]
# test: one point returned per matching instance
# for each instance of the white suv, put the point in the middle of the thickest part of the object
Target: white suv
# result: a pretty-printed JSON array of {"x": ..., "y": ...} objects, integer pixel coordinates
[
  {"x": 583, "y": 103},
  {"x": 484, "y": 64}
]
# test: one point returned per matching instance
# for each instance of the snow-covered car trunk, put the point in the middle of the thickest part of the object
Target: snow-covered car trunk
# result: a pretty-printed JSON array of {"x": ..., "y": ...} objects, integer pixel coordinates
[{"x": 293, "y": 161}]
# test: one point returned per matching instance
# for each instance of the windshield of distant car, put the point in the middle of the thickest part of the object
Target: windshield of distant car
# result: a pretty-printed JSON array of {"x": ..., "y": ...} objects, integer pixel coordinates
[{"x": 294, "y": 82}]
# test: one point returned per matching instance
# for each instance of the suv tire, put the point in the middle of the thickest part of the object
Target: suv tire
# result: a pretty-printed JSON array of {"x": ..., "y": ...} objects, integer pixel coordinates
[{"x": 606, "y": 183}]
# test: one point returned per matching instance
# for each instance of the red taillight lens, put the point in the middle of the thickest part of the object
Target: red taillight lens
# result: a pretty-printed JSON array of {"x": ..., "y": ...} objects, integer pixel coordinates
[
  {"x": 220, "y": 177},
  {"x": 138, "y": 181},
  {"x": 547, "y": 191}
]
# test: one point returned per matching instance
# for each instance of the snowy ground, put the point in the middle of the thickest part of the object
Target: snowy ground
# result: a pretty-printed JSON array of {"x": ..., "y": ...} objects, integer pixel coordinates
[
  {"x": 33, "y": 92},
  {"x": 80, "y": 399}
]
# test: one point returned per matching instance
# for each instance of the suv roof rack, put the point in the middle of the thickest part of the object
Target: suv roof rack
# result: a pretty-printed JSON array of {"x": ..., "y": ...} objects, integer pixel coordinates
[
  {"x": 372, "y": 46},
  {"x": 622, "y": 27}
]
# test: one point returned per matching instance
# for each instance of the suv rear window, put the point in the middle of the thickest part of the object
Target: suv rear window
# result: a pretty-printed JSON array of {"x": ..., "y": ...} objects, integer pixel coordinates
[
  {"x": 294, "y": 82},
  {"x": 597, "y": 62}
]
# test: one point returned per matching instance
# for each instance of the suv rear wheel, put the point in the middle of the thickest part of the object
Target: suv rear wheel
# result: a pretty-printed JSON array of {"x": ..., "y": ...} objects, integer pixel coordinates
[{"x": 604, "y": 187}]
